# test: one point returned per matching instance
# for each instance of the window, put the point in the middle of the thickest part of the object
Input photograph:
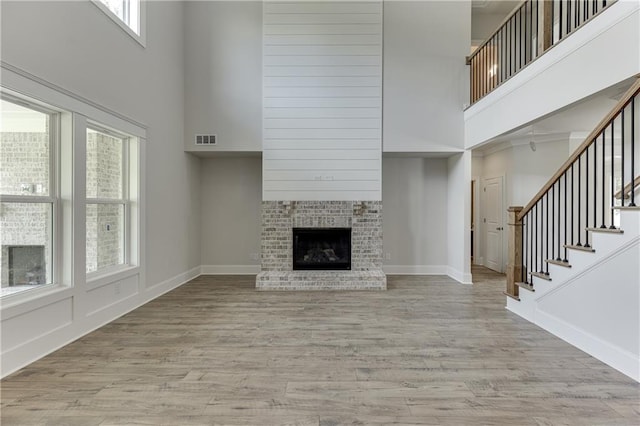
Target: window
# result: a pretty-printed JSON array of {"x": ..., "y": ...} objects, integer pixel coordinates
[
  {"x": 107, "y": 209},
  {"x": 127, "y": 14},
  {"x": 28, "y": 193}
]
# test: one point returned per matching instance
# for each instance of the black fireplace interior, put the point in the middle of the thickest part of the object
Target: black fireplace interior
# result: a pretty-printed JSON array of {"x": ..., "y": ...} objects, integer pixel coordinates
[{"x": 321, "y": 249}]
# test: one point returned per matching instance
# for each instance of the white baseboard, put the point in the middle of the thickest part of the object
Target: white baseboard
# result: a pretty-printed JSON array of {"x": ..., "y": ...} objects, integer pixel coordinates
[
  {"x": 173, "y": 282},
  {"x": 230, "y": 269},
  {"x": 415, "y": 269},
  {"x": 461, "y": 277},
  {"x": 623, "y": 361}
]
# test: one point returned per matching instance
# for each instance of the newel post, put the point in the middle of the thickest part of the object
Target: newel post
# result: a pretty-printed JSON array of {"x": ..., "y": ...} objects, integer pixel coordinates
[{"x": 514, "y": 266}]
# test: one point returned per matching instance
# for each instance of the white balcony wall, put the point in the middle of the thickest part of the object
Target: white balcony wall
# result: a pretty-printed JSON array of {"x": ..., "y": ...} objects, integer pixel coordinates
[{"x": 603, "y": 53}]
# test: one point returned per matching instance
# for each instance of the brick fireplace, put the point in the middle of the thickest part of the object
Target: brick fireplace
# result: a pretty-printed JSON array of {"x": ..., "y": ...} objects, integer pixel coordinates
[{"x": 279, "y": 218}]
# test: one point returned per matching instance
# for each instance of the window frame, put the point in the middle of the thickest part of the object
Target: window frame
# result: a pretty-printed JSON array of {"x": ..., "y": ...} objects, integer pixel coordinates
[
  {"x": 52, "y": 199},
  {"x": 124, "y": 201},
  {"x": 141, "y": 35}
]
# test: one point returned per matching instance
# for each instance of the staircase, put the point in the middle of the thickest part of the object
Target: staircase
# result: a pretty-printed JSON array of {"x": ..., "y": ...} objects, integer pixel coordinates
[{"x": 574, "y": 250}]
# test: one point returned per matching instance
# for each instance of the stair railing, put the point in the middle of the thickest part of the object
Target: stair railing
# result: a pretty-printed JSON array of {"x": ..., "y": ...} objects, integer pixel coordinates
[
  {"x": 579, "y": 198},
  {"x": 530, "y": 30}
]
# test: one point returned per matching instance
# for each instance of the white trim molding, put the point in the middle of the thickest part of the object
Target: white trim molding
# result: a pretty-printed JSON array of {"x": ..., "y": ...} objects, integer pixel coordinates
[
  {"x": 230, "y": 269},
  {"x": 415, "y": 269}
]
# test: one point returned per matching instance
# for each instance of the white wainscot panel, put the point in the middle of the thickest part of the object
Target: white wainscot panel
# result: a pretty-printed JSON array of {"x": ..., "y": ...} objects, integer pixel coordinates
[
  {"x": 289, "y": 103},
  {"x": 105, "y": 296},
  {"x": 329, "y": 195},
  {"x": 311, "y": 175},
  {"x": 322, "y": 123},
  {"x": 322, "y": 165},
  {"x": 323, "y": 7},
  {"x": 321, "y": 154},
  {"x": 322, "y": 185},
  {"x": 374, "y": 39},
  {"x": 323, "y": 71},
  {"x": 26, "y": 327},
  {"x": 321, "y": 144},
  {"x": 321, "y": 29},
  {"x": 322, "y": 92},
  {"x": 322, "y": 81},
  {"x": 322, "y": 18},
  {"x": 321, "y": 133},
  {"x": 327, "y": 61},
  {"x": 327, "y": 112}
]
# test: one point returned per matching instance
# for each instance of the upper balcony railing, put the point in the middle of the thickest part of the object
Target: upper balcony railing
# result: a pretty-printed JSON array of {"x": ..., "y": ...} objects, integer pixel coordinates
[{"x": 530, "y": 30}]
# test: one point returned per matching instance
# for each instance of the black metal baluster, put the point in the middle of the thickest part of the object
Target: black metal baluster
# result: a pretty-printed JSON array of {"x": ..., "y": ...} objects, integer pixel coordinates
[
  {"x": 510, "y": 47},
  {"x": 579, "y": 243},
  {"x": 603, "y": 226},
  {"x": 530, "y": 225},
  {"x": 558, "y": 258},
  {"x": 613, "y": 195},
  {"x": 586, "y": 198},
  {"x": 522, "y": 39},
  {"x": 622, "y": 156},
  {"x": 503, "y": 62},
  {"x": 560, "y": 20},
  {"x": 553, "y": 221},
  {"x": 483, "y": 72},
  {"x": 633, "y": 154},
  {"x": 525, "y": 250},
  {"x": 537, "y": 22},
  {"x": 526, "y": 27},
  {"x": 534, "y": 236},
  {"x": 569, "y": 29},
  {"x": 595, "y": 183},
  {"x": 572, "y": 202},
  {"x": 566, "y": 208},
  {"x": 546, "y": 226},
  {"x": 537, "y": 26}
]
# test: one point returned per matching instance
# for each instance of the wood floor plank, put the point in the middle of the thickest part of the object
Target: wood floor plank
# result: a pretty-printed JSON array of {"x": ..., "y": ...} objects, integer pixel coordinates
[{"x": 428, "y": 351}]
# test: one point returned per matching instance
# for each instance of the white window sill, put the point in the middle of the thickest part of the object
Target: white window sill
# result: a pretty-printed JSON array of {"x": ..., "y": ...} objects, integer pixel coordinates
[
  {"x": 26, "y": 301},
  {"x": 111, "y": 275}
]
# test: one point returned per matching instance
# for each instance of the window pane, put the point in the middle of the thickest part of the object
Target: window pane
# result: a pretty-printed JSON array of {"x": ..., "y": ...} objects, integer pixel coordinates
[
  {"x": 126, "y": 10},
  {"x": 104, "y": 165},
  {"x": 24, "y": 151},
  {"x": 25, "y": 237},
  {"x": 105, "y": 236}
]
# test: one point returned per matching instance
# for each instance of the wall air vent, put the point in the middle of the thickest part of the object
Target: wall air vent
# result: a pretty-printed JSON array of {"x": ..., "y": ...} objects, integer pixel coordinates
[{"x": 205, "y": 139}]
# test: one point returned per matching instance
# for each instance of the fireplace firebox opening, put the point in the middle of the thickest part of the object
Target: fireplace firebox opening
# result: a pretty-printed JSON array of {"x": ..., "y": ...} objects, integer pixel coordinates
[{"x": 321, "y": 249}]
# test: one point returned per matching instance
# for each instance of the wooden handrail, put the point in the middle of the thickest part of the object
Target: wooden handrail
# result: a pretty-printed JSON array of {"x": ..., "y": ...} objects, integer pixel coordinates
[
  {"x": 631, "y": 186},
  {"x": 504, "y": 21},
  {"x": 626, "y": 98}
]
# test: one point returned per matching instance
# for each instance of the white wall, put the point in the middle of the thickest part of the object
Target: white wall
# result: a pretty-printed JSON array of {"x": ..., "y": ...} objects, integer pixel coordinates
[
  {"x": 322, "y": 103},
  {"x": 599, "y": 310},
  {"x": 223, "y": 74},
  {"x": 75, "y": 46},
  {"x": 231, "y": 197},
  {"x": 459, "y": 217},
  {"x": 414, "y": 196},
  {"x": 574, "y": 69},
  {"x": 425, "y": 76}
]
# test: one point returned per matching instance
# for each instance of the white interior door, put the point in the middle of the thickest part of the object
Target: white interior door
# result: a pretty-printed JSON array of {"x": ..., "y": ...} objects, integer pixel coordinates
[{"x": 494, "y": 222}]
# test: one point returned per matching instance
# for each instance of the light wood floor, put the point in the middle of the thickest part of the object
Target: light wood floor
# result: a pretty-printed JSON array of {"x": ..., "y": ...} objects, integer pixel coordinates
[{"x": 427, "y": 351}]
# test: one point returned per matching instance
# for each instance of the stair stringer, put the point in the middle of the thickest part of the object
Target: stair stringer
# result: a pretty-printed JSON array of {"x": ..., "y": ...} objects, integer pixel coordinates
[{"x": 596, "y": 309}]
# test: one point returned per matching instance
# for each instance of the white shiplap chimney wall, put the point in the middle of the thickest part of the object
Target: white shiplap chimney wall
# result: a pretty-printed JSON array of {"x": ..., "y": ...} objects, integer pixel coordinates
[{"x": 322, "y": 101}]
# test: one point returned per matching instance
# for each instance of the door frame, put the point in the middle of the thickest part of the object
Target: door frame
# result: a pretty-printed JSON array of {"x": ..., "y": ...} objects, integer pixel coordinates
[{"x": 478, "y": 255}]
